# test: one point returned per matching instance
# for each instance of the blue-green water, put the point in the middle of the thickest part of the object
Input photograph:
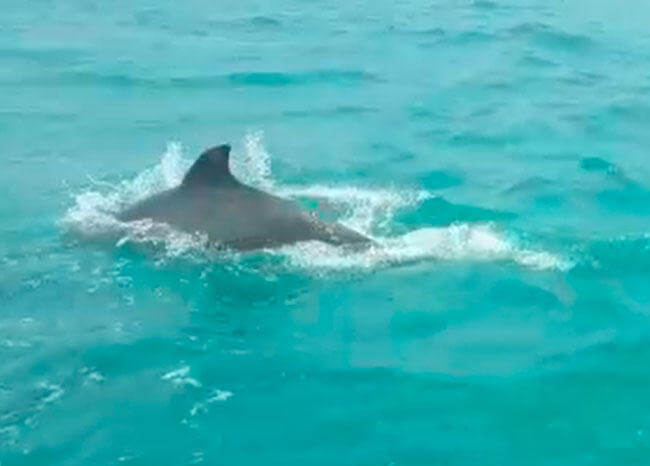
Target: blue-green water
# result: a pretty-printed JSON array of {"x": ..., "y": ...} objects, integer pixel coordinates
[{"x": 496, "y": 150}]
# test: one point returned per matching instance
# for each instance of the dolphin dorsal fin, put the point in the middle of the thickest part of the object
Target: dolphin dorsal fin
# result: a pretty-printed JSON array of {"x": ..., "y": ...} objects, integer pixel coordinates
[{"x": 211, "y": 168}]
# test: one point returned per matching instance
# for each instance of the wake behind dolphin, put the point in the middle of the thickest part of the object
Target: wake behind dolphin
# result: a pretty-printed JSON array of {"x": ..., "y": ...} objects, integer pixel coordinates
[{"x": 211, "y": 200}]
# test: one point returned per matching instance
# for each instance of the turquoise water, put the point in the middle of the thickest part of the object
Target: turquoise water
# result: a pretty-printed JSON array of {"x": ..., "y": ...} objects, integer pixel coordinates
[{"x": 496, "y": 150}]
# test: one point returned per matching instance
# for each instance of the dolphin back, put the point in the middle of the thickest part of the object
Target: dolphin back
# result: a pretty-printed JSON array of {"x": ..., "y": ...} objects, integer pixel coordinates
[{"x": 212, "y": 201}]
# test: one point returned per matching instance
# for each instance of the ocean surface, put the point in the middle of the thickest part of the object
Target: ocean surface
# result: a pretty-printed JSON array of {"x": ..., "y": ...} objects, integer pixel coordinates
[{"x": 497, "y": 150}]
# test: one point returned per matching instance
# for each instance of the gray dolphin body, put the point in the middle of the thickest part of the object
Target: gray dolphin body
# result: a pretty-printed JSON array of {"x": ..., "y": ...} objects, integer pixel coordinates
[{"x": 211, "y": 200}]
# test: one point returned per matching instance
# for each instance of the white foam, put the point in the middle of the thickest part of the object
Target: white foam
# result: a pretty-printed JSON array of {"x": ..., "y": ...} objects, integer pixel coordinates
[
  {"x": 94, "y": 211},
  {"x": 179, "y": 378},
  {"x": 9, "y": 436},
  {"x": 362, "y": 209},
  {"x": 54, "y": 392},
  {"x": 177, "y": 373},
  {"x": 253, "y": 165},
  {"x": 92, "y": 376},
  {"x": 216, "y": 397},
  {"x": 367, "y": 210},
  {"x": 219, "y": 395},
  {"x": 458, "y": 242}
]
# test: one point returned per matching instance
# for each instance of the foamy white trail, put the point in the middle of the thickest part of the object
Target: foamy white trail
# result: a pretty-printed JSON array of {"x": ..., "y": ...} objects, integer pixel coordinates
[
  {"x": 466, "y": 242},
  {"x": 367, "y": 210}
]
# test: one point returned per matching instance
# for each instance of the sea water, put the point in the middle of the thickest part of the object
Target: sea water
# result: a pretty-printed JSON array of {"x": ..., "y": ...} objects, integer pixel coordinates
[{"x": 496, "y": 151}]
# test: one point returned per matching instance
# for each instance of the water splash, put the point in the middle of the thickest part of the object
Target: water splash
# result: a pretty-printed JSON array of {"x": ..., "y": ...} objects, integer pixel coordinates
[
  {"x": 94, "y": 211},
  {"x": 253, "y": 165},
  {"x": 457, "y": 242},
  {"x": 367, "y": 210}
]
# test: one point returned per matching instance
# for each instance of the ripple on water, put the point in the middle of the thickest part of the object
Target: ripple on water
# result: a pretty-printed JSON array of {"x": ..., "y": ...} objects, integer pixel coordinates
[
  {"x": 550, "y": 37},
  {"x": 274, "y": 79},
  {"x": 198, "y": 82}
]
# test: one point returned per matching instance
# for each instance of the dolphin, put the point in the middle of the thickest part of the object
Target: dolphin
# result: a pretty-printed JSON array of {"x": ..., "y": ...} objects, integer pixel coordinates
[{"x": 211, "y": 200}]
